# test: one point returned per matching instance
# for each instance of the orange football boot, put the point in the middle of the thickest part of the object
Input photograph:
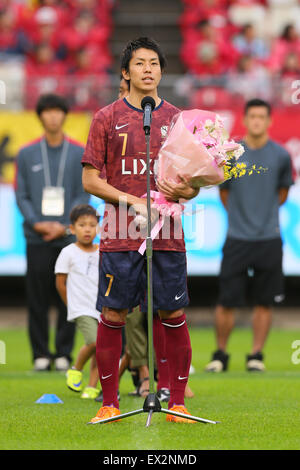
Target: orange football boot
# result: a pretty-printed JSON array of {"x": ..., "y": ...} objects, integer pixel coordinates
[
  {"x": 179, "y": 419},
  {"x": 106, "y": 412}
]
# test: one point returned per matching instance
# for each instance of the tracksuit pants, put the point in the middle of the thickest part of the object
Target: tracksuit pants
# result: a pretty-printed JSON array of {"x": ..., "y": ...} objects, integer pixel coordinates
[{"x": 41, "y": 294}]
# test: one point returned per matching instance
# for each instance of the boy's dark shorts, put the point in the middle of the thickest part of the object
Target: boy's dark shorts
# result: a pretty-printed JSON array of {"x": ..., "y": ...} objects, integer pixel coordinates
[
  {"x": 264, "y": 257},
  {"x": 123, "y": 280}
]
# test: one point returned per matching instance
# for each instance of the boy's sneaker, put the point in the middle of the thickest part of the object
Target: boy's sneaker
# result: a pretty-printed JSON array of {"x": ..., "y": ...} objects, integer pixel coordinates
[
  {"x": 254, "y": 362},
  {"x": 104, "y": 413},
  {"x": 74, "y": 380},
  {"x": 163, "y": 394},
  {"x": 62, "y": 364},
  {"x": 99, "y": 398},
  {"x": 90, "y": 393},
  {"x": 219, "y": 362},
  {"x": 179, "y": 419},
  {"x": 42, "y": 364}
]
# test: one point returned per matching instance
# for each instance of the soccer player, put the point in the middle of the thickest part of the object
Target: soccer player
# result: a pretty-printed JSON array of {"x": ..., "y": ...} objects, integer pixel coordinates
[
  {"x": 253, "y": 239},
  {"x": 117, "y": 141}
]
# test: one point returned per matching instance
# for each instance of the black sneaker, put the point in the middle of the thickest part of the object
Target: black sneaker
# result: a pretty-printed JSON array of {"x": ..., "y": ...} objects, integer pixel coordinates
[
  {"x": 254, "y": 362},
  {"x": 218, "y": 363},
  {"x": 99, "y": 398},
  {"x": 163, "y": 394}
]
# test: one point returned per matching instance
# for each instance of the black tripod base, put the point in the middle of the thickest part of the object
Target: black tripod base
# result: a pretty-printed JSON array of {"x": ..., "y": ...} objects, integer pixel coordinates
[{"x": 152, "y": 405}]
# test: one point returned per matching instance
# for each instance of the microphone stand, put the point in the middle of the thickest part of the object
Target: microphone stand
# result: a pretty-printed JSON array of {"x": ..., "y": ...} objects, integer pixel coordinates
[{"x": 151, "y": 403}]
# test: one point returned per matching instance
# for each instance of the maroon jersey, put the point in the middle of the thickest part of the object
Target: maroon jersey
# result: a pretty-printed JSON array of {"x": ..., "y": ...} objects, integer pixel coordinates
[{"x": 116, "y": 142}]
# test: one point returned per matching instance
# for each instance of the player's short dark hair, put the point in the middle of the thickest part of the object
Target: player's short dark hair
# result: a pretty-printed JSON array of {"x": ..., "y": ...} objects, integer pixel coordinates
[
  {"x": 51, "y": 101},
  {"x": 82, "y": 209},
  {"x": 257, "y": 102},
  {"x": 141, "y": 43}
]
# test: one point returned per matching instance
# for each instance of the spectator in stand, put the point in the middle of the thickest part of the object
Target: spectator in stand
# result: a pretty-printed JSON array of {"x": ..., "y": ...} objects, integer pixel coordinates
[
  {"x": 19, "y": 11},
  {"x": 246, "y": 42},
  {"x": 86, "y": 33},
  {"x": 213, "y": 10},
  {"x": 44, "y": 63},
  {"x": 210, "y": 9},
  {"x": 87, "y": 82},
  {"x": 248, "y": 11},
  {"x": 101, "y": 10},
  {"x": 12, "y": 40},
  {"x": 207, "y": 53},
  {"x": 289, "y": 72},
  {"x": 44, "y": 74},
  {"x": 249, "y": 80},
  {"x": 83, "y": 65},
  {"x": 289, "y": 42},
  {"x": 291, "y": 66},
  {"x": 46, "y": 30},
  {"x": 62, "y": 10}
]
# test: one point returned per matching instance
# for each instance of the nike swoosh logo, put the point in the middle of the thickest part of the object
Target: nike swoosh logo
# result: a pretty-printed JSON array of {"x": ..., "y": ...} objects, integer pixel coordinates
[
  {"x": 37, "y": 167},
  {"x": 120, "y": 127},
  {"x": 182, "y": 378},
  {"x": 177, "y": 297},
  {"x": 77, "y": 385},
  {"x": 163, "y": 361},
  {"x": 106, "y": 377}
]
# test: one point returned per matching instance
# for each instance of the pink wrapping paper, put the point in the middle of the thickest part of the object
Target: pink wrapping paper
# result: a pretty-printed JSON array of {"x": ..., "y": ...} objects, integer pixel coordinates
[{"x": 184, "y": 153}]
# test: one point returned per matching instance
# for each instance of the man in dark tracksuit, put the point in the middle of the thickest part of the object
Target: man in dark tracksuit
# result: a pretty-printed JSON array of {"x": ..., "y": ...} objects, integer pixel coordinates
[
  {"x": 253, "y": 242},
  {"x": 48, "y": 186}
]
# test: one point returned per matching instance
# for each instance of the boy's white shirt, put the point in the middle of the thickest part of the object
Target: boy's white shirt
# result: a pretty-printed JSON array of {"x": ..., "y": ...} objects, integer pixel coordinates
[{"x": 82, "y": 268}]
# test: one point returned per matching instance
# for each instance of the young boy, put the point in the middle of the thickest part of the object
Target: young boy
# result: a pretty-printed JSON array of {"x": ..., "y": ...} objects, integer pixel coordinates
[{"x": 76, "y": 272}]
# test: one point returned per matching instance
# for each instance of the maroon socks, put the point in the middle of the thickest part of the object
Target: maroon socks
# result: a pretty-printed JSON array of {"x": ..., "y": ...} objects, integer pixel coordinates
[
  {"x": 108, "y": 351},
  {"x": 173, "y": 374},
  {"x": 179, "y": 354},
  {"x": 159, "y": 342}
]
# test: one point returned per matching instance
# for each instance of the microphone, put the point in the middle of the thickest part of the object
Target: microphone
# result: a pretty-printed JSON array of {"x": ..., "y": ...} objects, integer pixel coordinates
[{"x": 147, "y": 104}]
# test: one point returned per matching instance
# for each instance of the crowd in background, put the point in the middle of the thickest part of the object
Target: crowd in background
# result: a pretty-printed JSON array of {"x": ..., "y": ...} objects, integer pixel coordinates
[
  {"x": 65, "y": 42},
  {"x": 66, "y": 28},
  {"x": 243, "y": 48}
]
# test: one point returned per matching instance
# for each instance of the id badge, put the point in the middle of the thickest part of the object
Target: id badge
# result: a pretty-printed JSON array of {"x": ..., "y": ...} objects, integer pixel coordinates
[{"x": 53, "y": 201}]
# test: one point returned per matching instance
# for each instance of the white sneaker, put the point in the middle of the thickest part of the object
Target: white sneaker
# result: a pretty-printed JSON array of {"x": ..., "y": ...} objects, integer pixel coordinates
[
  {"x": 215, "y": 366},
  {"x": 62, "y": 364},
  {"x": 219, "y": 362},
  {"x": 41, "y": 363},
  {"x": 254, "y": 362}
]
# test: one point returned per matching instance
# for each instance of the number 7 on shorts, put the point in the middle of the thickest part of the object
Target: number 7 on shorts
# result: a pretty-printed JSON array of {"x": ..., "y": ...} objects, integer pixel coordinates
[{"x": 111, "y": 278}]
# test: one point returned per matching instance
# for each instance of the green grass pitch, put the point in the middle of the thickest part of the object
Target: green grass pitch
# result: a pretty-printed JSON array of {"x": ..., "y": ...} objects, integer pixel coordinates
[{"x": 257, "y": 411}]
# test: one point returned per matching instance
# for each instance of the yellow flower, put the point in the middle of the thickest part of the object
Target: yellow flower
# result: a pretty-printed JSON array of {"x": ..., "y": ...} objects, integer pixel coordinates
[{"x": 237, "y": 170}]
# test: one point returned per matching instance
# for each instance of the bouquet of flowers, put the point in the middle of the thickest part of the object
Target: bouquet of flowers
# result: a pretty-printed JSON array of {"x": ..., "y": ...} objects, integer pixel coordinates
[{"x": 197, "y": 147}]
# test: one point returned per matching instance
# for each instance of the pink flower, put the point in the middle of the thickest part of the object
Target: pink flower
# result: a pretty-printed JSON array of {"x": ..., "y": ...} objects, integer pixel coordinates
[{"x": 196, "y": 147}]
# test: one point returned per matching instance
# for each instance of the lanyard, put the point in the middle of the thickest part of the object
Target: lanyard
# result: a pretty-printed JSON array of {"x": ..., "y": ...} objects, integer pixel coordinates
[{"x": 62, "y": 163}]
